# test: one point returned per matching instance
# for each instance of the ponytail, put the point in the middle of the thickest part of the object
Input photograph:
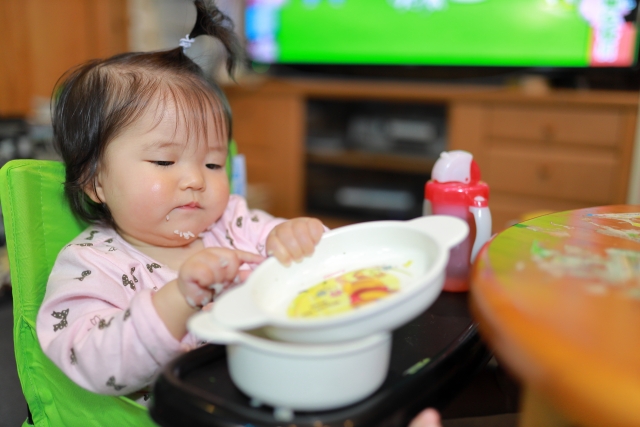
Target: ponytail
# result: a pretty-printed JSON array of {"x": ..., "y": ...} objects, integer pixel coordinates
[{"x": 212, "y": 22}]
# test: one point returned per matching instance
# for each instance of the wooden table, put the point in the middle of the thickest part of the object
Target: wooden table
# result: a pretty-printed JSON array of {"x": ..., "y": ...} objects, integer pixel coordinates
[{"x": 558, "y": 299}]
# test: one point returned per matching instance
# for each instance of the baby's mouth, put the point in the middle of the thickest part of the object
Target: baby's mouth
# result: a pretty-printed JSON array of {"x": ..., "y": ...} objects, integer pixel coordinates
[
  {"x": 188, "y": 207},
  {"x": 192, "y": 205}
]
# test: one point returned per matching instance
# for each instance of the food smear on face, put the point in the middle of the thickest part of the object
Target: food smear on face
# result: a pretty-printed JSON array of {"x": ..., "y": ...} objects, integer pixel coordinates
[{"x": 346, "y": 292}]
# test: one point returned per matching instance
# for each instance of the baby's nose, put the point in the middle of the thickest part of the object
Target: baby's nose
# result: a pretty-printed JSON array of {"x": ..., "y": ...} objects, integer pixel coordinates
[{"x": 193, "y": 178}]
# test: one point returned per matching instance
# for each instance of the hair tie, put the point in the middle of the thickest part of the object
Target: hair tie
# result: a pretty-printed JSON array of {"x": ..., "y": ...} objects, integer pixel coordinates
[{"x": 186, "y": 42}]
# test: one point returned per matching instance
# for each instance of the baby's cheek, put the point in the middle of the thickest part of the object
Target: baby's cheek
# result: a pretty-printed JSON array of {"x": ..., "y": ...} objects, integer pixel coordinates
[
  {"x": 156, "y": 194},
  {"x": 155, "y": 188}
]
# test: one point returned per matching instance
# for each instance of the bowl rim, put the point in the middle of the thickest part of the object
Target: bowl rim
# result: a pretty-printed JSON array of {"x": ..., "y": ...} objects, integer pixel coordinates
[
  {"x": 436, "y": 268},
  {"x": 313, "y": 350},
  {"x": 200, "y": 325}
]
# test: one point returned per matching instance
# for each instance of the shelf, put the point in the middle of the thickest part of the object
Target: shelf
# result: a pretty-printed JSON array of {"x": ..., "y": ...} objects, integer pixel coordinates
[
  {"x": 374, "y": 161},
  {"x": 426, "y": 92},
  {"x": 280, "y": 124}
]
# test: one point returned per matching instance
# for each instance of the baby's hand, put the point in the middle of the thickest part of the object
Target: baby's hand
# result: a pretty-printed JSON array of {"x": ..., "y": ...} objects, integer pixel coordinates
[
  {"x": 294, "y": 239},
  {"x": 427, "y": 418},
  {"x": 207, "y": 273}
]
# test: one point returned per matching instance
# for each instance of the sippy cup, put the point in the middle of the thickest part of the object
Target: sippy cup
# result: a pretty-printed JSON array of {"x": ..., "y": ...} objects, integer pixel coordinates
[{"x": 455, "y": 189}]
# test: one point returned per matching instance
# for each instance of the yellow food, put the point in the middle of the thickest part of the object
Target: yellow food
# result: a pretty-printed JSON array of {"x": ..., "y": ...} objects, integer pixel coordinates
[{"x": 345, "y": 292}]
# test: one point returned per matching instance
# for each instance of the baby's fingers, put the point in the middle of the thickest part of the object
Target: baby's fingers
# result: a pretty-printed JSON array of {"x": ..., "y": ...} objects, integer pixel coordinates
[
  {"x": 303, "y": 242},
  {"x": 225, "y": 264},
  {"x": 208, "y": 268},
  {"x": 248, "y": 257},
  {"x": 306, "y": 235},
  {"x": 427, "y": 418},
  {"x": 295, "y": 239},
  {"x": 276, "y": 248},
  {"x": 195, "y": 276},
  {"x": 315, "y": 232}
]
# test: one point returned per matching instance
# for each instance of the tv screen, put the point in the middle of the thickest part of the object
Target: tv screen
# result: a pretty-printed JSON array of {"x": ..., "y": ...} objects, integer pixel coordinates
[{"x": 492, "y": 33}]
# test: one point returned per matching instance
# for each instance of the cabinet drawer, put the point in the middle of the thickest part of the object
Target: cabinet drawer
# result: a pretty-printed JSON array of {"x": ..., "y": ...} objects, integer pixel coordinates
[
  {"x": 590, "y": 126},
  {"x": 568, "y": 175}
]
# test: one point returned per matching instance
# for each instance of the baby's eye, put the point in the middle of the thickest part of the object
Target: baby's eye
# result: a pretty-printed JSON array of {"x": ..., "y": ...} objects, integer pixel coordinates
[
  {"x": 213, "y": 166},
  {"x": 162, "y": 162}
]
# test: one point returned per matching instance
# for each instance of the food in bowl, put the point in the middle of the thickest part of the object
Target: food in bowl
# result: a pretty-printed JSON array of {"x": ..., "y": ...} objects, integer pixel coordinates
[
  {"x": 264, "y": 299},
  {"x": 347, "y": 291}
]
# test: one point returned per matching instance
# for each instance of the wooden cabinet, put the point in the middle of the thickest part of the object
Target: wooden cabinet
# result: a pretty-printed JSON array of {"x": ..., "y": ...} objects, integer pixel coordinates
[
  {"x": 554, "y": 173},
  {"x": 554, "y": 151},
  {"x": 555, "y": 125},
  {"x": 557, "y": 155},
  {"x": 41, "y": 39},
  {"x": 271, "y": 128}
]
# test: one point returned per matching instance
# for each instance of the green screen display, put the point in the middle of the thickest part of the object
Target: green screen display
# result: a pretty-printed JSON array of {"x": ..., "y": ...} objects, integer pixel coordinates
[{"x": 567, "y": 33}]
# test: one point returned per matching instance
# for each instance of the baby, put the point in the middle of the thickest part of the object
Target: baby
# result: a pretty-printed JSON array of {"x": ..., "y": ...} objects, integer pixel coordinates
[{"x": 144, "y": 138}]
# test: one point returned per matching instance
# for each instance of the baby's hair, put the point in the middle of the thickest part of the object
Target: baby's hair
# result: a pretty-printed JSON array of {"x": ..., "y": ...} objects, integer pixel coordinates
[{"x": 96, "y": 101}]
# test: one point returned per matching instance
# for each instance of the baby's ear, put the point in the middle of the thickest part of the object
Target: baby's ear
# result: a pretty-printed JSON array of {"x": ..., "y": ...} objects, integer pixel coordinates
[{"x": 94, "y": 189}]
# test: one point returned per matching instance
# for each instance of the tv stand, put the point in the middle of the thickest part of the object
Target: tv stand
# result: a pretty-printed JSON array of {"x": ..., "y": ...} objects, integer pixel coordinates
[{"x": 539, "y": 151}]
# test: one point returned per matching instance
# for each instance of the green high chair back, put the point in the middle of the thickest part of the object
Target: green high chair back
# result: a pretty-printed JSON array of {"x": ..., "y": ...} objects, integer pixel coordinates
[{"x": 38, "y": 223}]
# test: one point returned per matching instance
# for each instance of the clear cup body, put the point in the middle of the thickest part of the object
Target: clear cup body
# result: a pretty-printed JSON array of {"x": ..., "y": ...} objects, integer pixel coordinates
[{"x": 457, "y": 279}]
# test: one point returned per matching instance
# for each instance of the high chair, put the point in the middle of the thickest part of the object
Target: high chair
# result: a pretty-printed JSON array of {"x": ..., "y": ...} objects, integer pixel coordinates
[{"x": 38, "y": 223}]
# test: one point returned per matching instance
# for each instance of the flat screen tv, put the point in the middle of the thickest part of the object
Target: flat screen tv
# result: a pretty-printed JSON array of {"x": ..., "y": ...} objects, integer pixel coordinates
[{"x": 477, "y": 33}]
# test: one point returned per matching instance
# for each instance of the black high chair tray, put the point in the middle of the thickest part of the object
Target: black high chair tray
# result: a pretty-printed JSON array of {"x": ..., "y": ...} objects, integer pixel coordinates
[{"x": 433, "y": 357}]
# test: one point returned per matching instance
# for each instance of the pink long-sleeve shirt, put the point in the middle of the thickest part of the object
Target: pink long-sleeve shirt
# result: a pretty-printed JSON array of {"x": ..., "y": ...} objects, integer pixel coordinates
[{"x": 97, "y": 322}]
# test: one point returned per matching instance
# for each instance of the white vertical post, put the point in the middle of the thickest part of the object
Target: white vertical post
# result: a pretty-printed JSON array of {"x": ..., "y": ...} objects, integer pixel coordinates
[{"x": 633, "y": 192}]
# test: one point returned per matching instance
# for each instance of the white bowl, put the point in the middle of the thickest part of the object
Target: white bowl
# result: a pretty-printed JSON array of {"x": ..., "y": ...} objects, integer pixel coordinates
[
  {"x": 302, "y": 377},
  {"x": 421, "y": 246}
]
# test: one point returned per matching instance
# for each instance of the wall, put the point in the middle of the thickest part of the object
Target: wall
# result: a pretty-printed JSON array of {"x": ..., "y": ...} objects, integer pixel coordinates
[{"x": 41, "y": 39}]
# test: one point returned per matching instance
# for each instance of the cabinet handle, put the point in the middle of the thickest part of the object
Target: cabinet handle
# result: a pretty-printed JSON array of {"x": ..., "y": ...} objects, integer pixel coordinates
[{"x": 544, "y": 173}]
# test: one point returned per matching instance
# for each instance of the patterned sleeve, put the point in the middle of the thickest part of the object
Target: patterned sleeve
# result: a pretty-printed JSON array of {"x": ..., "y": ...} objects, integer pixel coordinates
[
  {"x": 243, "y": 228},
  {"x": 100, "y": 327}
]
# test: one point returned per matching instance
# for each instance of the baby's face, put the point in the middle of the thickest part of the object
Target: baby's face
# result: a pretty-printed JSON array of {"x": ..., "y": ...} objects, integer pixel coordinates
[{"x": 163, "y": 184}]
